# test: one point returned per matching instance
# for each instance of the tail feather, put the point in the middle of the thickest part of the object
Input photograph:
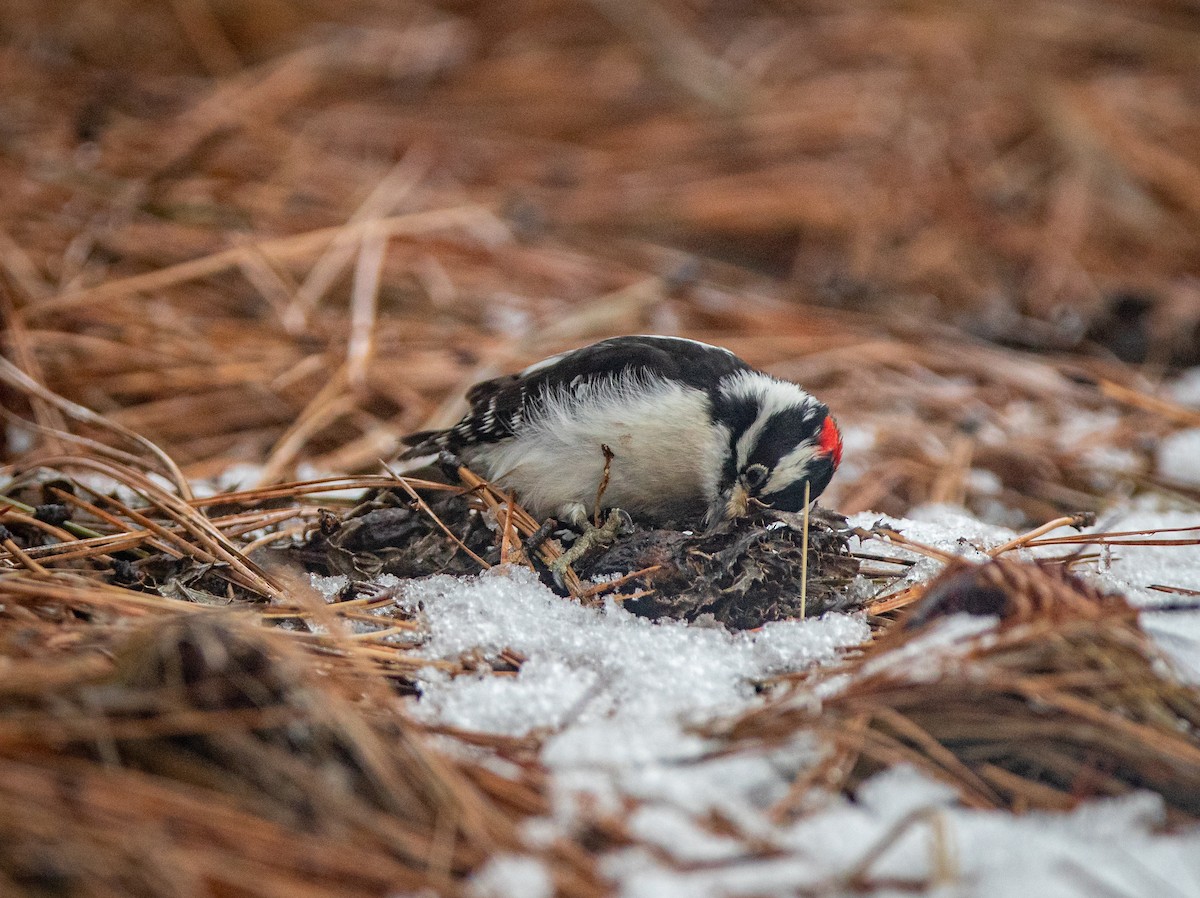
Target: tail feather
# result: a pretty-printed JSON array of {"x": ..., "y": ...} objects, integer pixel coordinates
[{"x": 424, "y": 442}]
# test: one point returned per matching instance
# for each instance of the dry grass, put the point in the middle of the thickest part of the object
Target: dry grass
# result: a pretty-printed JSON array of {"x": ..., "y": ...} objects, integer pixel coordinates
[
  {"x": 1067, "y": 699},
  {"x": 208, "y": 756},
  {"x": 171, "y": 680},
  {"x": 287, "y": 233}
]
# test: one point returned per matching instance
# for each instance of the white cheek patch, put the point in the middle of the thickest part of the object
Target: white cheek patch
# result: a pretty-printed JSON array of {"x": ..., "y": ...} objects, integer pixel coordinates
[
  {"x": 747, "y": 441},
  {"x": 772, "y": 396},
  {"x": 791, "y": 468}
]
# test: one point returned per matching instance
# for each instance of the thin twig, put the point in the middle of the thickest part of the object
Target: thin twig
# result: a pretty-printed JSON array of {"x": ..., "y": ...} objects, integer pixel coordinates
[
  {"x": 607, "y": 585},
  {"x": 600, "y": 490},
  {"x": 1082, "y": 519},
  {"x": 804, "y": 557}
]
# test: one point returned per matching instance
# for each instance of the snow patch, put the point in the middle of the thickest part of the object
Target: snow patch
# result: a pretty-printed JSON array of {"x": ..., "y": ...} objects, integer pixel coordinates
[
  {"x": 1178, "y": 457},
  {"x": 619, "y": 689},
  {"x": 1186, "y": 389},
  {"x": 510, "y": 876}
]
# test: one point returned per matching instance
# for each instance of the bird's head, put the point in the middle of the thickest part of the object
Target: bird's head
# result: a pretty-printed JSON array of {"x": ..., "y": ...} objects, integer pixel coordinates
[{"x": 780, "y": 439}]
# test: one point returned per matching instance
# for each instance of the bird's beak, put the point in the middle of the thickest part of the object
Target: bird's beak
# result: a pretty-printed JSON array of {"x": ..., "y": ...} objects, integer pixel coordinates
[
  {"x": 738, "y": 502},
  {"x": 731, "y": 504}
]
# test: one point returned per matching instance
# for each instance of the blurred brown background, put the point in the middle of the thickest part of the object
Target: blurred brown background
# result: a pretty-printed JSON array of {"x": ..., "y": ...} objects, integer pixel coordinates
[{"x": 285, "y": 232}]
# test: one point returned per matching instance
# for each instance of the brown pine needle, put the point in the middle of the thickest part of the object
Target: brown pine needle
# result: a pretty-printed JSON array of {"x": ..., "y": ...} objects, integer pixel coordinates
[
  {"x": 548, "y": 551},
  {"x": 424, "y": 506},
  {"x": 21, "y": 382},
  {"x": 280, "y": 248},
  {"x": 303, "y": 488},
  {"x": 1083, "y": 519},
  {"x": 596, "y": 588},
  {"x": 19, "y": 556}
]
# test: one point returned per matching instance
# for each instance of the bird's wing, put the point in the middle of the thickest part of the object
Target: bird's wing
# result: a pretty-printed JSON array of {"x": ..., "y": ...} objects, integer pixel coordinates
[
  {"x": 500, "y": 406},
  {"x": 693, "y": 364},
  {"x": 497, "y": 408}
]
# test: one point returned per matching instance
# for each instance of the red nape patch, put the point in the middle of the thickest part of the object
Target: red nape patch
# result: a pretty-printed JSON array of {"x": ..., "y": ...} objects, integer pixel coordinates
[{"x": 831, "y": 441}]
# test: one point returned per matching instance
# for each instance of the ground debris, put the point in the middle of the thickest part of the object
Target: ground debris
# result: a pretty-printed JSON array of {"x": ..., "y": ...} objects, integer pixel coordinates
[
  {"x": 386, "y": 535},
  {"x": 742, "y": 575}
]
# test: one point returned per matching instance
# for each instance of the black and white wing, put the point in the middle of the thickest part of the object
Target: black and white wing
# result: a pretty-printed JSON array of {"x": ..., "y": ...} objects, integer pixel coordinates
[
  {"x": 497, "y": 410},
  {"x": 499, "y": 407}
]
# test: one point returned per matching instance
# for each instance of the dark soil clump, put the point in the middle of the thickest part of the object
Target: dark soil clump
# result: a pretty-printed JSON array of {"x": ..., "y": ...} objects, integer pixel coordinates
[{"x": 743, "y": 575}]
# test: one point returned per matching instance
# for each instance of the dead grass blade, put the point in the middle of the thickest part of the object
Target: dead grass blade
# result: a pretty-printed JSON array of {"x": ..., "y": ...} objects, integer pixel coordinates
[
  {"x": 1065, "y": 699},
  {"x": 18, "y": 380}
]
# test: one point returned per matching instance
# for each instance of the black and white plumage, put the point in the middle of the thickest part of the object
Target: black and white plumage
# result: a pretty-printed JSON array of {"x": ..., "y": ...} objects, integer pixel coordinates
[{"x": 696, "y": 434}]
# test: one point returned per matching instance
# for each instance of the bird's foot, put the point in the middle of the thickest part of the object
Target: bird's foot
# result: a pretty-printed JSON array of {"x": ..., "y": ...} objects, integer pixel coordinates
[{"x": 593, "y": 538}]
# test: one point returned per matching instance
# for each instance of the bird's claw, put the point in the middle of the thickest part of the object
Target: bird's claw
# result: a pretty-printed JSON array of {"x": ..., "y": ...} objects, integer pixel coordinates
[{"x": 592, "y": 538}]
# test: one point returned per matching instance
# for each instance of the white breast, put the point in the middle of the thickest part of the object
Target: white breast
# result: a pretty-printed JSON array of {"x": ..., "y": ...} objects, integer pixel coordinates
[{"x": 667, "y": 455}]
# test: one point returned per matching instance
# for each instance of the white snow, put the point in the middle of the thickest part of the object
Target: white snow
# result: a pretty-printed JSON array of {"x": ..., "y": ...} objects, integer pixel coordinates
[
  {"x": 19, "y": 439},
  {"x": 512, "y": 875},
  {"x": 1186, "y": 389},
  {"x": 617, "y": 690},
  {"x": 1133, "y": 569},
  {"x": 904, "y": 828},
  {"x": 1178, "y": 457}
]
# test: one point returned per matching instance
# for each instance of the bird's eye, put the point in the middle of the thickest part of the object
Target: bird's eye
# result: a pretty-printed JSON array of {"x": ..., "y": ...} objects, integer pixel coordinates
[{"x": 755, "y": 476}]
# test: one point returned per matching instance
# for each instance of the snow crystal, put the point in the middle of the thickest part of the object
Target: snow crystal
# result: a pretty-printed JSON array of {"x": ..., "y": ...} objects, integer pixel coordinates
[
  {"x": 782, "y": 646},
  {"x": 1186, "y": 390},
  {"x": 678, "y": 835},
  {"x": 905, "y": 828},
  {"x": 1106, "y": 464},
  {"x": 330, "y": 587},
  {"x": 618, "y": 695},
  {"x": 901, "y": 791},
  {"x": 946, "y": 528},
  {"x": 1178, "y": 635},
  {"x": 1082, "y": 429},
  {"x": 1136, "y": 568},
  {"x": 512, "y": 876},
  {"x": 1178, "y": 457},
  {"x": 984, "y": 482},
  {"x": 546, "y": 691},
  {"x": 925, "y": 657},
  {"x": 20, "y": 439},
  {"x": 949, "y": 528}
]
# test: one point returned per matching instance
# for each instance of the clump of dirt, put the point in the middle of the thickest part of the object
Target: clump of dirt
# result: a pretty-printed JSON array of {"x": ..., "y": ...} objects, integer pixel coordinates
[
  {"x": 387, "y": 534},
  {"x": 742, "y": 575}
]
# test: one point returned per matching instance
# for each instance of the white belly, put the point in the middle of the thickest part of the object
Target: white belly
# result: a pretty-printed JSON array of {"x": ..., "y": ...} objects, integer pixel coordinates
[{"x": 666, "y": 454}]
